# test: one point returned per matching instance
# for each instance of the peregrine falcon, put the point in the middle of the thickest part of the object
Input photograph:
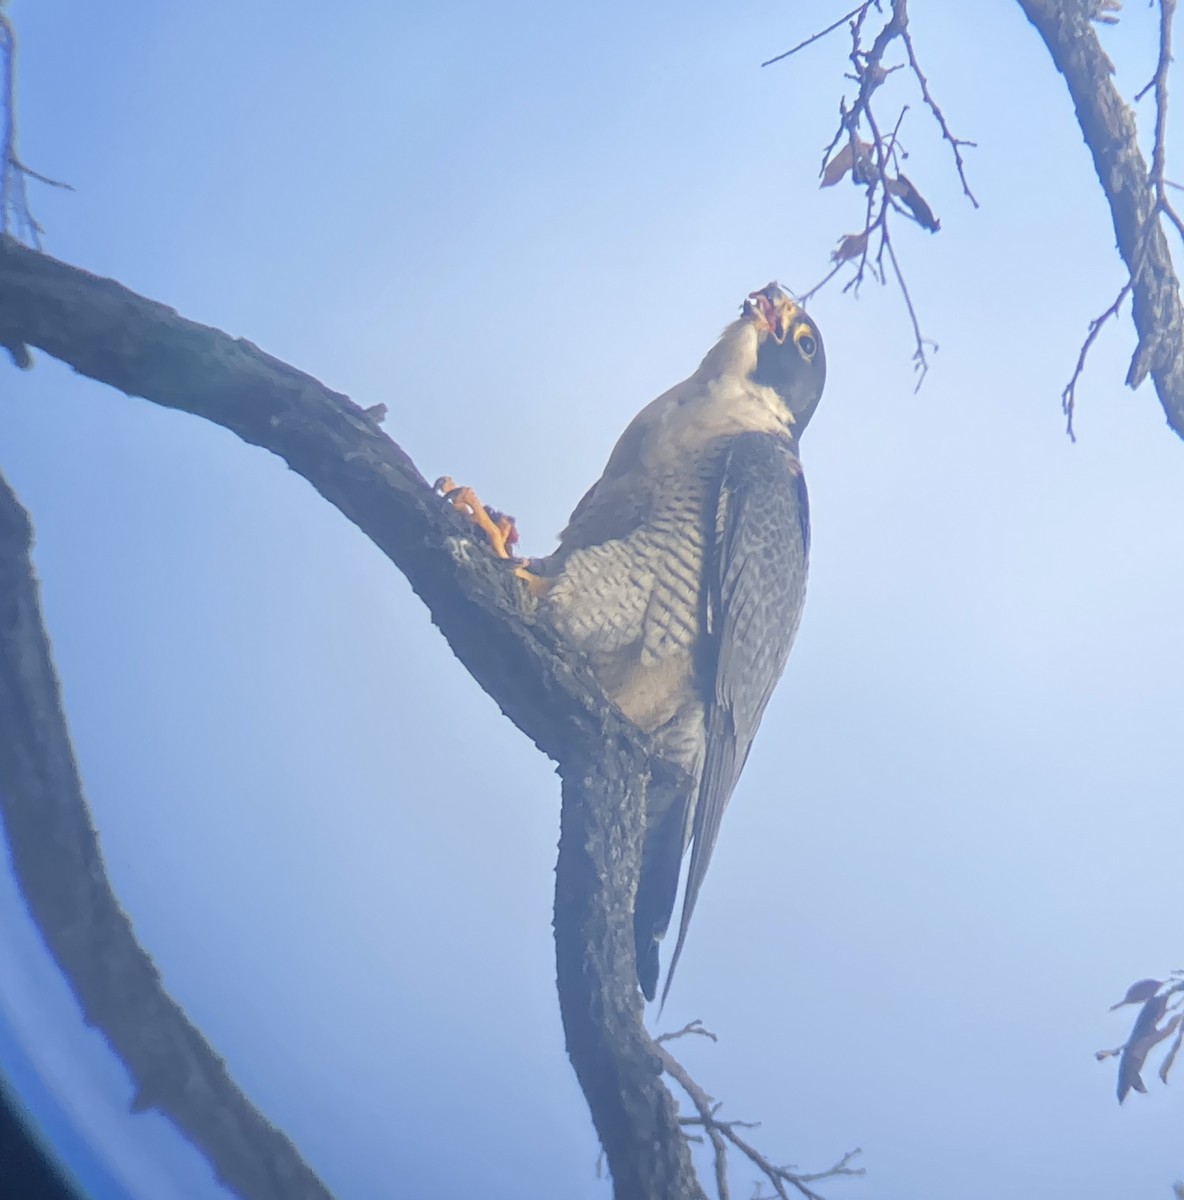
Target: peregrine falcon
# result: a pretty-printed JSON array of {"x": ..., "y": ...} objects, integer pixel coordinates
[{"x": 681, "y": 576}]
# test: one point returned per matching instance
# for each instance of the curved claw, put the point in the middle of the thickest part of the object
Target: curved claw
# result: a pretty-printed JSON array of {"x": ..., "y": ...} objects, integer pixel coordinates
[
  {"x": 497, "y": 526},
  {"x": 537, "y": 585}
]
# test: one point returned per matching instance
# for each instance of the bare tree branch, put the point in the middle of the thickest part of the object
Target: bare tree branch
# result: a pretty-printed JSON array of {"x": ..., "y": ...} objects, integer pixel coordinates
[
  {"x": 56, "y": 860},
  {"x": 874, "y": 164},
  {"x": 724, "y": 1133},
  {"x": 143, "y": 348},
  {"x": 955, "y": 143},
  {"x": 1137, "y": 196},
  {"x": 1069, "y": 394},
  {"x": 814, "y": 37},
  {"x": 14, "y": 202}
]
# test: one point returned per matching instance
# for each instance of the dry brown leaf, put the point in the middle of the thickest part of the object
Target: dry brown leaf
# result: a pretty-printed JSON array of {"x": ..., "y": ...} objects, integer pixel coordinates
[
  {"x": 1144, "y": 1038},
  {"x": 852, "y": 245},
  {"x": 902, "y": 187},
  {"x": 843, "y": 162},
  {"x": 1138, "y": 992}
]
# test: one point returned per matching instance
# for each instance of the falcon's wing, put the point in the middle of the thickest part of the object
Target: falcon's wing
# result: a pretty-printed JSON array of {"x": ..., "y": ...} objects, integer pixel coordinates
[
  {"x": 756, "y": 585},
  {"x": 614, "y": 506}
]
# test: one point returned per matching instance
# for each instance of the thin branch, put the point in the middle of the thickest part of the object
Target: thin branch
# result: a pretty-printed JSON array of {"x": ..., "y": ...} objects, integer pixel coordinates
[
  {"x": 1069, "y": 395},
  {"x": 14, "y": 175},
  {"x": 1167, "y": 12},
  {"x": 722, "y": 1134},
  {"x": 820, "y": 34},
  {"x": 14, "y": 202},
  {"x": 806, "y": 296},
  {"x": 875, "y": 164},
  {"x": 7, "y": 113},
  {"x": 31, "y": 174},
  {"x": 875, "y": 189},
  {"x": 691, "y": 1028},
  {"x": 940, "y": 117},
  {"x": 920, "y": 361}
]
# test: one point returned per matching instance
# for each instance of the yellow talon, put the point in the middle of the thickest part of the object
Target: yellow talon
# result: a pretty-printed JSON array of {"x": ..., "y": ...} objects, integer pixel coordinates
[
  {"x": 537, "y": 585},
  {"x": 497, "y": 527}
]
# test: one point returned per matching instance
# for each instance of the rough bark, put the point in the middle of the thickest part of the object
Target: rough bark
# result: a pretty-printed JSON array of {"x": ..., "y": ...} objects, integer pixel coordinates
[
  {"x": 1108, "y": 126},
  {"x": 145, "y": 349},
  {"x": 613, "y": 1056}
]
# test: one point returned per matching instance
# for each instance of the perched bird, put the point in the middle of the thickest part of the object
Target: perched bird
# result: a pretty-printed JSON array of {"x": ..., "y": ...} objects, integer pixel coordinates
[{"x": 681, "y": 576}]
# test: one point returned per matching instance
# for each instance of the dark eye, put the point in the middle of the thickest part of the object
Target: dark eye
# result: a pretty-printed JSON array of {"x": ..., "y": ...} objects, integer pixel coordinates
[{"x": 806, "y": 344}]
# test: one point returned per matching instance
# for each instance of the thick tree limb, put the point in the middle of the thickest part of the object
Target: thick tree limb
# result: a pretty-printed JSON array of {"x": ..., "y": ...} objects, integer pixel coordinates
[
  {"x": 145, "y": 349},
  {"x": 57, "y": 863},
  {"x": 1108, "y": 126},
  {"x": 597, "y": 976}
]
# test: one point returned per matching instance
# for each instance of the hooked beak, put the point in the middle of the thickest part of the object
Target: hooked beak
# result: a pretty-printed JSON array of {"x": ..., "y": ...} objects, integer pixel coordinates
[{"x": 771, "y": 310}]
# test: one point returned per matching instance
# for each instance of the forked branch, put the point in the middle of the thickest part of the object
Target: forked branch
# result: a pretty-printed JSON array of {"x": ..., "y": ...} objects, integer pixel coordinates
[
  {"x": 143, "y": 348},
  {"x": 722, "y": 1133},
  {"x": 15, "y": 217}
]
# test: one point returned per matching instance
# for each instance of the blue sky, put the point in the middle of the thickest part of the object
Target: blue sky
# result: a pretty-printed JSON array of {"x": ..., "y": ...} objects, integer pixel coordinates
[{"x": 515, "y": 225}]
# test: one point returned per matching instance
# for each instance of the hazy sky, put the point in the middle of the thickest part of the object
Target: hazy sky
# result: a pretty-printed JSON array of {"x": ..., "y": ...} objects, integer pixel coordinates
[{"x": 959, "y": 834}]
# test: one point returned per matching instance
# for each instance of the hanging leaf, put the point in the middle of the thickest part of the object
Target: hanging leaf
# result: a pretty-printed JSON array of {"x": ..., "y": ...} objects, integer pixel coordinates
[
  {"x": 852, "y": 246},
  {"x": 849, "y": 158},
  {"x": 902, "y": 187},
  {"x": 1137, "y": 993},
  {"x": 1144, "y": 1038}
]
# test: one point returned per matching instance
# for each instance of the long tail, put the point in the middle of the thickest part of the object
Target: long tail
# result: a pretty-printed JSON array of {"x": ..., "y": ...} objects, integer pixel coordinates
[{"x": 657, "y": 890}]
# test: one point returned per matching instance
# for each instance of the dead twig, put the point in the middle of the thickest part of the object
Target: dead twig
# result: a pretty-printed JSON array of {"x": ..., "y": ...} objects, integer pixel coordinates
[
  {"x": 692, "y": 1027},
  {"x": 940, "y": 118},
  {"x": 871, "y": 159},
  {"x": 17, "y": 165},
  {"x": 920, "y": 361},
  {"x": 15, "y": 216},
  {"x": 814, "y": 37},
  {"x": 7, "y": 117},
  {"x": 724, "y": 1133},
  {"x": 1069, "y": 394}
]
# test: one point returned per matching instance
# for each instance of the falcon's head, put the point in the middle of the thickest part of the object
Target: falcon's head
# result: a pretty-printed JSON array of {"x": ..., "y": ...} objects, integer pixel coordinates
[{"x": 790, "y": 358}]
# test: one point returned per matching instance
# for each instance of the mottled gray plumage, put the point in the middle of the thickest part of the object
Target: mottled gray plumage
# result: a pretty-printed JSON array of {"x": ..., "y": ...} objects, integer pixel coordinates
[{"x": 681, "y": 575}]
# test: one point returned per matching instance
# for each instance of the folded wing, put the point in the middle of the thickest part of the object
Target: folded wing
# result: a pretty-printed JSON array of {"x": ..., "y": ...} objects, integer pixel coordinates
[{"x": 756, "y": 586}]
